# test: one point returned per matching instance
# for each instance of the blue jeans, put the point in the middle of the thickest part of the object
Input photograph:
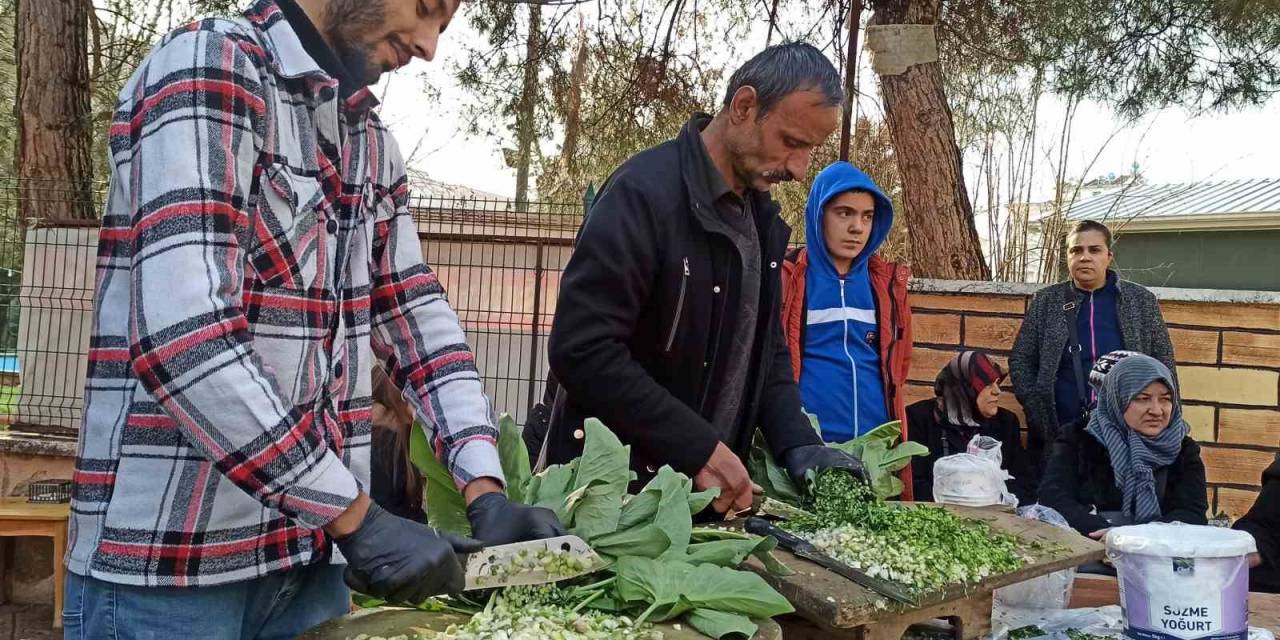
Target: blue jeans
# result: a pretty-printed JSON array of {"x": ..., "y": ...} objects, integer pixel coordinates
[{"x": 281, "y": 605}]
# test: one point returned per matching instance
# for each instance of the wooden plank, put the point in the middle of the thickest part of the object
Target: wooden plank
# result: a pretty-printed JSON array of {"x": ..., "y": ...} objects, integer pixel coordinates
[
  {"x": 20, "y": 509},
  {"x": 1251, "y": 387},
  {"x": 1212, "y": 314},
  {"x": 1223, "y": 465},
  {"x": 831, "y": 601},
  {"x": 935, "y": 328},
  {"x": 983, "y": 332},
  {"x": 1258, "y": 427},
  {"x": 1235, "y": 502},
  {"x": 1254, "y": 349},
  {"x": 1202, "y": 420},
  {"x": 917, "y": 392},
  {"x": 926, "y": 363},
  {"x": 1195, "y": 347},
  {"x": 968, "y": 302}
]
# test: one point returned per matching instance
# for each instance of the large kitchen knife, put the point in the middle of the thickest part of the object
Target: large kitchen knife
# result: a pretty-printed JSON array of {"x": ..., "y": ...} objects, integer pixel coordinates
[
  {"x": 528, "y": 563},
  {"x": 805, "y": 549}
]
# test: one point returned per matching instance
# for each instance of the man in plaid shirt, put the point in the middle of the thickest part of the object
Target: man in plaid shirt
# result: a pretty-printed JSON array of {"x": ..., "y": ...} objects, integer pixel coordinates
[{"x": 256, "y": 256}]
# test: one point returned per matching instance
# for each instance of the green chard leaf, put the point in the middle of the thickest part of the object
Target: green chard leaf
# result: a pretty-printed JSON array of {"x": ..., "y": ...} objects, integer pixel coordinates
[
  {"x": 718, "y": 624},
  {"x": 669, "y": 588},
  {"x": 514, "y": 456},
  {"x": 446, "y": 508},
  {"x": 603, "y": 474},
  {"x": 767, "y": 473},
  {"x": 551, "y": 488}
]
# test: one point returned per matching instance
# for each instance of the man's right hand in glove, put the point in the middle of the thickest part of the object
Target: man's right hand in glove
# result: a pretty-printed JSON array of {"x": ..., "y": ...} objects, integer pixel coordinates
[{"x": 395, "y": 559}]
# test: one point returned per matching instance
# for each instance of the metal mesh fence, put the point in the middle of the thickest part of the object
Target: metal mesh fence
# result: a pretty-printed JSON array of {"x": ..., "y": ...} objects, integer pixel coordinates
[
  {"x": 500, "y": 263},
  {"x": 46, "y": 301}
]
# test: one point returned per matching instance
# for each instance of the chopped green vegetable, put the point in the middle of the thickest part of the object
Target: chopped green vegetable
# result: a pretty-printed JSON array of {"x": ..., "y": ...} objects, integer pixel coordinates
[
  {"x": 1024, "y": 633},
  {"x": 1076, "y": 634},
  {"x": 921, "y": 547},
  {"x": 550, "y": 561},
  {"x": 538, "y": 613},
  {"x": 875, "y": 449}
]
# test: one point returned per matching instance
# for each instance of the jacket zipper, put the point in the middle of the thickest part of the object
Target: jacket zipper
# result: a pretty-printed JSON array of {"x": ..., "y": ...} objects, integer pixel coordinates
[
  {"x": 853, "y": 364},
  {"x": 675, "y": 323},
  {"x": 893, "y": 342}
]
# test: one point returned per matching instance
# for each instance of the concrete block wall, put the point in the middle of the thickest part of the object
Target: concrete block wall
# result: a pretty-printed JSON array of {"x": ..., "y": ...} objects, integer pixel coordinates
[{"x": 1226, "y": 343}]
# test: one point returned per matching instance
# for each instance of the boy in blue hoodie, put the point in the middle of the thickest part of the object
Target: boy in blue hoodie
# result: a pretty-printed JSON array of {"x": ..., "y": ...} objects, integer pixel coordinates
[{"x": 845, "y": 311}]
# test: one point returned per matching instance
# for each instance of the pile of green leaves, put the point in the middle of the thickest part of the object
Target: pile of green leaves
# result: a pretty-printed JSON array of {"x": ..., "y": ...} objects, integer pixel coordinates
[
  {"x": 876, "y": 449},
  {"x": 924, "y": 548},
  {"x": 660, "y": 567}
]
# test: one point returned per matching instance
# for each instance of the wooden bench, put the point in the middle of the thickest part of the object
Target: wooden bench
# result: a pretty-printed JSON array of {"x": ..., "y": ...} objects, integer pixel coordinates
[{"x": 21, "y": 518}]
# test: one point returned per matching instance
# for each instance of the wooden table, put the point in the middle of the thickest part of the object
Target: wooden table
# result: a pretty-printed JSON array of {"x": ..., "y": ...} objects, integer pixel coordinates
[
  {"x": 830, "y": 606},
  {"x": 393, "y": 621},
  {"x": 1101, "y": 591},
  {"x": 21, "y": 518}
]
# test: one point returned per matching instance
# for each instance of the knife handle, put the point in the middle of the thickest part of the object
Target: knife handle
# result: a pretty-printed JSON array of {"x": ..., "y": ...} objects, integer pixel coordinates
[{"x": 786, "y": 539}]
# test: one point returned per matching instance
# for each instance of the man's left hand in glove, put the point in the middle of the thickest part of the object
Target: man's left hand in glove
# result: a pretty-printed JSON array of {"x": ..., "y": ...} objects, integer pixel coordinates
[{"x": 799, "y": 461}]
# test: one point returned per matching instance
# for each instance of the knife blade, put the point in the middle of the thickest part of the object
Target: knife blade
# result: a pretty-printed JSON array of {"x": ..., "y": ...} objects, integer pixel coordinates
[
  {"x": 520, "y": 563},
  {"x": 805, "y": 549}
]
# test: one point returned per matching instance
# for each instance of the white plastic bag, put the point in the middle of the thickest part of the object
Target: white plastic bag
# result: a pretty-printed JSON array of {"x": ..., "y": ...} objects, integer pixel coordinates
[
  {"x": 1050, "y": 592},
  {"x": 970, "y": 480},
  {"x": 988, "y": 448},
  {"x": 1054, "y": 624}
]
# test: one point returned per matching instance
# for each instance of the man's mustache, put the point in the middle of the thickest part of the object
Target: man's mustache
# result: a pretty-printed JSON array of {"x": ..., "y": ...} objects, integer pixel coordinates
[{"x": 780, "y": 175}]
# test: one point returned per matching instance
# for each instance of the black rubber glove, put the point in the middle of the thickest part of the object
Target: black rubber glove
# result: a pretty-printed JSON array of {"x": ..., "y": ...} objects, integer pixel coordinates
[
  {"x": 400, "y": 560},
  {"x": 497, "y": 520},
  {"x": 799, "y": 461}
]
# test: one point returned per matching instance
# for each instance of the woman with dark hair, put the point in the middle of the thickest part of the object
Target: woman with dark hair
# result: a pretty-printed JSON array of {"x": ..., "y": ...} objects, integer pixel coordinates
[
  {"x": 965, "y": 404},
  {"x": 1134, "y": 462},
  {"x": 397, "y": 484}
]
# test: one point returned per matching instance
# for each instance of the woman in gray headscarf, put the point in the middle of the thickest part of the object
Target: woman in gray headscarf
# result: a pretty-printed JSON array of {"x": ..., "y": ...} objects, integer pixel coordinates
[{"x": 1134, "y": 461}]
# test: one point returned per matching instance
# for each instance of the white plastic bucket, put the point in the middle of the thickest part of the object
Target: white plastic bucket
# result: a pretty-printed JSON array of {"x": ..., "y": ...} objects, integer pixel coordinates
[{"x": 1182, "y": 582}]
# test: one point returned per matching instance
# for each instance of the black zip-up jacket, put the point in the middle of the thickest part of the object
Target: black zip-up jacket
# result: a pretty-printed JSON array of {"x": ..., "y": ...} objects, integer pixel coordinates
[
  {"x": 645, "y": 314},
  {"x": 944, "y": 440},
  {"x": 1080, "y": 479},
  {"x": 1263, "y": 522}
]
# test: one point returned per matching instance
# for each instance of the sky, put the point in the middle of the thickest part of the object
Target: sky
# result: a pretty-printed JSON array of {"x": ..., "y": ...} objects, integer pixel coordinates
[{"x": 1169, "y": 146}]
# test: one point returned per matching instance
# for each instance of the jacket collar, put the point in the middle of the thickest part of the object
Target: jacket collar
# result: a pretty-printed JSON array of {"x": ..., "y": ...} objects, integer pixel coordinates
[
  {"x": 1071, "y": 293},
  {"x": 692, "y": 164},
  {"x": 296, "y": 51}
]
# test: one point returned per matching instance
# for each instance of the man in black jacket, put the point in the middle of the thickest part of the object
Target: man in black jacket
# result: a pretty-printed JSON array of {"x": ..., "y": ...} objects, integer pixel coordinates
[
  {"x": 1263, "y": 522},
  {"x": 667, "y": 326}
]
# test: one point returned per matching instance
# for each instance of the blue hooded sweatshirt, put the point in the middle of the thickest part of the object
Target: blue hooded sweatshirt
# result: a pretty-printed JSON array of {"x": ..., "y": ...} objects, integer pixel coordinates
[{"x": 840, "y": 377}]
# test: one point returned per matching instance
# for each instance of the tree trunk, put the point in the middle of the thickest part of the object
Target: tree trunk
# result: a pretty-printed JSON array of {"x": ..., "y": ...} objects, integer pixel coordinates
[
  {"x": 939, "y": 216},
  {"x": 53, "y": 112},
  {"x": 526, "y": 131},
  {"x": 850, "y": 79},
  {"x": 573, "y": 108}
]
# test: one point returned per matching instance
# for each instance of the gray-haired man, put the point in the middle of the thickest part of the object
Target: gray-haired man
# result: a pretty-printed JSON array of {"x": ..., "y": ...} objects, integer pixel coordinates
[{"x": 667, "y": 327}]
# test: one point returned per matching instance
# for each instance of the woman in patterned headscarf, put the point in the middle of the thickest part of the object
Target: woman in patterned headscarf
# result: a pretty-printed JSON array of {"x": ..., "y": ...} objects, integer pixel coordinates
[
  {"x": 965, "y": 404},
  {"x": 1134, "y": 462}
]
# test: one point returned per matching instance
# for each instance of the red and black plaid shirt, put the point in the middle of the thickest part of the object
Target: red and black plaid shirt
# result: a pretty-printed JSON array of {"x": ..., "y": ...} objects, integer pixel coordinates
[{"x": 256, "y": 256}]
